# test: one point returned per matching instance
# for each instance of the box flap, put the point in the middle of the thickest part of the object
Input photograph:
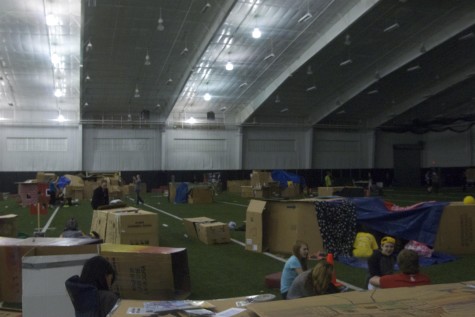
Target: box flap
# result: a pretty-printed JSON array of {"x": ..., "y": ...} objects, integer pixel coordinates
[{"x": 191, "y": 223}]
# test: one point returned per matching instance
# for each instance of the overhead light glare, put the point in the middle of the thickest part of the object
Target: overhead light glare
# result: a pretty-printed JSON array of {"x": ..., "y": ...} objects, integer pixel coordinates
[
  {"x": 207, "y": 97},
  {"x": 137, "y": 92},
  {"x": 147, "y": 60},
  {"x": 413, "y": 68},
  {"x": 89, "y": 46},
  {"x": 229, "y": 66},
  {"x": 223, "y": 109},
  {"x": 52, "y": 20},
  {"x": 86, "y": 104},
  {"x": 347, "y": 62},
  {"x": 307, "y": 16},
  {"x": 256, "y": 33},
  {"x": 191, "y": 120},
  {"x": 392, "y": 27},
  {"x": 61, "y": 118}
]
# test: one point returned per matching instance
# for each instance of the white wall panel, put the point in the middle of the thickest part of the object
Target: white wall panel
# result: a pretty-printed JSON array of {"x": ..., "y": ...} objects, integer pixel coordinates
[
  {"x": 40, "y": 148},
  {"x": 201, "y": 149},
  {"x": 276, "y": 148},
  {"x": 441, "y": 149},
  {"x": 341, "y": 149},
  {"x": 121, "y": 149}
]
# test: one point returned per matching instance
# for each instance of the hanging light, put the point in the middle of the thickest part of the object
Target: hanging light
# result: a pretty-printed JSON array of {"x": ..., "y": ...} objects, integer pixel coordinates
[
  {"x": 89, "y": 46},
  {"x": 256, "y": 33},
  {"x": 277, "y": 99},
  {"x": 160, "y": 26},
  {"x": 229, "y": 66},
  {"x": 207, "y": 97},
  {"x": 137, "y": 92},
  {"x": 147, "y": 60}
]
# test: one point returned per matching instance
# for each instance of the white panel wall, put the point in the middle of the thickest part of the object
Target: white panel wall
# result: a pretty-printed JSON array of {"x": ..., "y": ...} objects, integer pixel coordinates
[
  {"x": 341, "y": 149},
  {"x": 273, "y": 148},
  {"x": 121, "y": 149},
  {"x": 441, "y": 149},
  {"x": 201, "y": 149},
  {"x": 40, "y": 148}
]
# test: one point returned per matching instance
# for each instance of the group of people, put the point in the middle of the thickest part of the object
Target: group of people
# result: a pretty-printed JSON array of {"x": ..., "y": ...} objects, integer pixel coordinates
[
  {"x": 100, "y": 196},
  {"x": 298, "y": 280}
]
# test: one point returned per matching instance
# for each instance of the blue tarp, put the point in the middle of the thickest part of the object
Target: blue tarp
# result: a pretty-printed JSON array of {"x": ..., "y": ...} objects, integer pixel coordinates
[
  {"x": 181, "y": 196},
  {"x": 283, "y": 177},
  {"x": 420, "y": 223},
  {"x": 63, "y": 181}
]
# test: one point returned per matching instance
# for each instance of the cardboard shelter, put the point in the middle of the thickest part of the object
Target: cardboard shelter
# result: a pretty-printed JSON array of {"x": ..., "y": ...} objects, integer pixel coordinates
[
  {"x": 207, "y": 230},
  {"x": 200, "y": 195},
  {"x": 274, "y": 226},
  {"x": 126, "y": 225}
]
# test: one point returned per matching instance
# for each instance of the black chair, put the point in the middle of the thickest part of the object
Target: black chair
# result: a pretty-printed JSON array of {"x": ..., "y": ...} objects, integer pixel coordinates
[{"x": 84, "y": 297}]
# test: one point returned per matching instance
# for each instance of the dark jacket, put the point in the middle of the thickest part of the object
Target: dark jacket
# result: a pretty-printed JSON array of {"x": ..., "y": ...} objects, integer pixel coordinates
[{"x": 100, "y": 197}]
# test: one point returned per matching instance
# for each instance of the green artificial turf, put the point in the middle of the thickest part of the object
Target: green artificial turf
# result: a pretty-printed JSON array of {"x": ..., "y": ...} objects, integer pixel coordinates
[{"x": 227, "y": 270}]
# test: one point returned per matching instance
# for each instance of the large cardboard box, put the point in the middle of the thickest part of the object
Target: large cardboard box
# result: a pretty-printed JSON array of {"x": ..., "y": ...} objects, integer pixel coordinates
[
  {"x": 235, "y": 185},
  {"x": 147, "y": 272},
  {"x": 457, "y": 299},
  {"x": 99, "y": 219},
  {"x": 8, "y": 226},
  {"x": 259, "y": 179},
  {"x": 136, "y": 227},
  {"x": 291, "y": 191},
  {"x": 328, "y": 191},
  {"x": 42, "y": 177},
  {"x": 12, "y": 251},
  {"x": 200, "y": 195},
  {"x": 172, "y": 191},
  {"x": 247, "y": 192},
  {"x": 275, "y": 225},
  {"x": 191, "y": 225},
  {"x": 214, "y": 233},
  {"x": 46, "y": 268},
  {"x": 456, "y": 234}
]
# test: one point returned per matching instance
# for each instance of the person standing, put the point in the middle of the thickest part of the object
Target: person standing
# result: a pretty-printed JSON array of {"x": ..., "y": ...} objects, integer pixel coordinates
[
  {"x": 53, "y": 190},
  {"x": 137, "y": 181},
  {"x": 295, "y": 265},
  {"x": 100, "y": 196},
  {"x": 328, "y": 179}
]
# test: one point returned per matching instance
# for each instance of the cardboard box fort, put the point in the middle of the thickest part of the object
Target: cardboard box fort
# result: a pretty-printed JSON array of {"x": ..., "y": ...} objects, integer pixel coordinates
[
  {"x": 148, "y": 272},
  {"x": 143, "y": 272},
  {"x": 200, "y": 195},
  {"x": 275, "y": 225},
  {"x": 246, "y": 191},
  {"x": 207, "y": 230},
  {"x": 457, "y": 299},
  {"x": 8, "y": 226},
  {"x": 12, "y": 251},
  {"x": 456, "y": 233},
  {"x": 126, "y": 225},
  {"x": 259, "y": 179}
]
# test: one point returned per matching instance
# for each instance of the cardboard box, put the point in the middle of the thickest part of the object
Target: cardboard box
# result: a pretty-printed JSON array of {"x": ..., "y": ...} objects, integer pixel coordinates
[
  {"x": 50, "y": 269},
  {"x": 42, "y": 177},
  {"x": 8, "y": 226},
  {"x": 235, "y": 186},
  {"x": 274, "y": 226},
  {"x": 456, "y": 299},
  {"x": 291, "y": 191},
  {"x": 12, "y": 251},
  {"x": 172, "y": 191},
  {"x": 456, "y": 234},
  {"x": 246, "y": 191},
  {"x": 328, "y": 191},
  {"x": 214, "y": 233},
  {"x": 191, "y": 225},
  {"x": 135, "y": 227},
  {"x": 147, "y": 272},
  {"x": 259, "y": 179},
  {"x": 76, "y": 181},
  {"x": 200, "y": 195}
]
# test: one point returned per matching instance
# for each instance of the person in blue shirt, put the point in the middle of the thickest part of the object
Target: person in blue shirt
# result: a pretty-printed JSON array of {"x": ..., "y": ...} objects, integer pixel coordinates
[{"x": 295, "y": 265}]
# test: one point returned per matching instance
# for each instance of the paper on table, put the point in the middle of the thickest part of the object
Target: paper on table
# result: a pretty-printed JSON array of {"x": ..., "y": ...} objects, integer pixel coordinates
[{"x": 230, "y": 312}]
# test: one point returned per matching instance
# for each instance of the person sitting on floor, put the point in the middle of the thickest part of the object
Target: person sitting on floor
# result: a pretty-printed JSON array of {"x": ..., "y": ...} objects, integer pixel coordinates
[
  {"x": 317, "y": 281},
  {"x": 381, "y": 262},
  {"x": 294, "y": 266},
  {"x": 91, "y": 292},
  {"x": 408, "y": 261}
]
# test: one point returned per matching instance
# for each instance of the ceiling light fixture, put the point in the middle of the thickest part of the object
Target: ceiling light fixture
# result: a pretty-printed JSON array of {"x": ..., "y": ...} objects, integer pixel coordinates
[
  {"x": 89, "y": 46},
  {"x": 392, "y": 27},
  {"x": 311, "y": 88},
  {"x": 413, "y": 68},
  {"x": 242, "y": 85},
  {"x": 347, "y": 62},
  {"x": 309, "y": 70},
  {"x": 205, "y": 7},
  {"x": 271, "y": 55},
  {"x": 347, "y": 40},
  {"x": 147, "y": 60},
  {"x": 307, "y": 16},
  {"x": 277, "y": 99},
  {"x": 86, "y": 104},
  {"x": 207, "y": 97},
  {"x": 185, "y": 51},
  {"x": 129, "y": 117},
  {"x": 229, "y": 66},
  {"x": 222, "y": 109},
  {"x": 423, "y": 48},
  {"x": 467, "y": 36},
  {"x": 160, "y": 26},
  {"x": 169, "y": 81},
  {"x": 256, "y": 33},
  {"x": 137, "y": 92},
  {"x": 284, "y": 110},
  {"x": 191, "y": 120},
  {"x": 88, "y": 78},
  {"x": 372, "y": 92}
]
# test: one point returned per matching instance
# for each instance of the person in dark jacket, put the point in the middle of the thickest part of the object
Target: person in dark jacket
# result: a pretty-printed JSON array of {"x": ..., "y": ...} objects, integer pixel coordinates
[
  {"x": 91, "y": 292},
  {"x": 100, "y": 196}
]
